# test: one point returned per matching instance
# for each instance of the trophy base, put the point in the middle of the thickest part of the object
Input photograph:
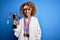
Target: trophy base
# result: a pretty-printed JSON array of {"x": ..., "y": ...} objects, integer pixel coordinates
[{"x": 14, "y": 26}]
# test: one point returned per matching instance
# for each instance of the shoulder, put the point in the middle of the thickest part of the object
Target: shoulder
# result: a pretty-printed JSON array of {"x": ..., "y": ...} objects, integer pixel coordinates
[
  {"x": 34, "y": 18},
  {"x": 21, "y": 20}
]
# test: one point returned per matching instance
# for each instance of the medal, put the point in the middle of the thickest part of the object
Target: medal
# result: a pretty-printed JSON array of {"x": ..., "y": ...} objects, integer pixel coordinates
[{"x": 26, "y": 28}]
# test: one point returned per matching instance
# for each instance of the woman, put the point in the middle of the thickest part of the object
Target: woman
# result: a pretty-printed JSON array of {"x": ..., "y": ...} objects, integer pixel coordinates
[{"x": 28, "y": 27}]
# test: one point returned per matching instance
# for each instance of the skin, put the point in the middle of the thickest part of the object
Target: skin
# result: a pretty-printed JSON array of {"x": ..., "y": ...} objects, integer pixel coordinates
[
  {"x": 27, "y": 12},
  {"x": 15, "y": 22}
]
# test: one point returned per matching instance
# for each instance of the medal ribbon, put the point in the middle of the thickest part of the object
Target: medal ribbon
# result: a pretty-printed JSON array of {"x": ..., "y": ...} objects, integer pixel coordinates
[{"x": 26, "y": 25}]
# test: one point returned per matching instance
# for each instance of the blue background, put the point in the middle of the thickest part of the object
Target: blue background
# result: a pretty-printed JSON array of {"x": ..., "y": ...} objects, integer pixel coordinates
[{"x": 48, "y": 13}]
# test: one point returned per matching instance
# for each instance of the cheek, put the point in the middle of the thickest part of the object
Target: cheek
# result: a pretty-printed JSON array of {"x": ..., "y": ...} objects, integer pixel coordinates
[
  {"x": 24, "y": 11},
  {"x": 27, "y": 12}
]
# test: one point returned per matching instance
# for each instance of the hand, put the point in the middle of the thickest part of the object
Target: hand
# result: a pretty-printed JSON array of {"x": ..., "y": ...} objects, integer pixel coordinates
[{"x": 15, "y": 22}]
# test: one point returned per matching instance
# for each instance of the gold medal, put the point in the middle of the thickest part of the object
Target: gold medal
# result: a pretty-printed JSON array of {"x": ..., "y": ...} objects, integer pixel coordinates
[{"x": 26, "y": 35}]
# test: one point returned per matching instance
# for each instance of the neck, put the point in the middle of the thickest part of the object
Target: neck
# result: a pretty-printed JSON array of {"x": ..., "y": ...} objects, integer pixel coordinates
[
  {"x": 27, "y": 17},
  {"x": 14, "y": 19}
]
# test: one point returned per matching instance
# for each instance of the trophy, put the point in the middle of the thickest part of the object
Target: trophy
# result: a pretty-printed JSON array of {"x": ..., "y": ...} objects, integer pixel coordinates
[{"x": 13, "y": 16}]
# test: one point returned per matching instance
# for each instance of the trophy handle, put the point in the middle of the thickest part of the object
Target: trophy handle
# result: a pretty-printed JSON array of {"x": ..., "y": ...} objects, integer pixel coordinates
[{"x": 9, "y": 18}]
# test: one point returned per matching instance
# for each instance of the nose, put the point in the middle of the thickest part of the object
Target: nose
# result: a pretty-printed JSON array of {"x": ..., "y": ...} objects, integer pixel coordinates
[{"x": 27, "y": 10}]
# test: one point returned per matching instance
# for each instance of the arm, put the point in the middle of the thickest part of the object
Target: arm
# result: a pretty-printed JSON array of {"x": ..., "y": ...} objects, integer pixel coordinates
[
  {"x": 17, "y": 30},
  {"x": 38, "y": 31}
]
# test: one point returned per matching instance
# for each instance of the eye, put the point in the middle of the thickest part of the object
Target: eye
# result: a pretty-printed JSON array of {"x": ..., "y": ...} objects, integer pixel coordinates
[
  {"x": 29, "y": 9},
  {"x": 24, "y": 9}
]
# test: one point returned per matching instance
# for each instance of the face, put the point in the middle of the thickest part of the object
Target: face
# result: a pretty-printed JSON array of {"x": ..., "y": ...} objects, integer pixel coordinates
[{"x": 27, "y": 12}]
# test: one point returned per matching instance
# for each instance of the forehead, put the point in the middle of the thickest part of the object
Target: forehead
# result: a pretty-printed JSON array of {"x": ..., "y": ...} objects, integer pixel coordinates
[{"x": 26, "y": 6}]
